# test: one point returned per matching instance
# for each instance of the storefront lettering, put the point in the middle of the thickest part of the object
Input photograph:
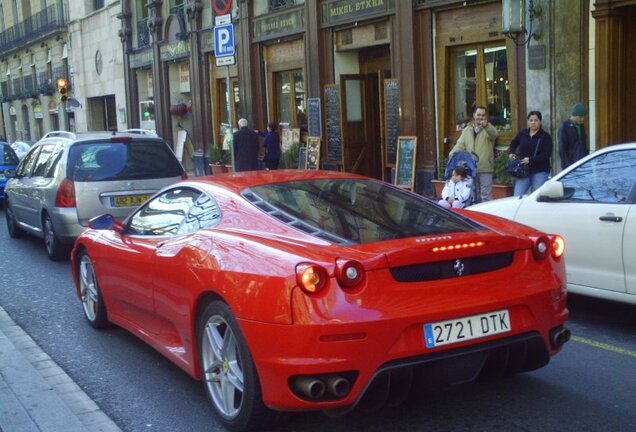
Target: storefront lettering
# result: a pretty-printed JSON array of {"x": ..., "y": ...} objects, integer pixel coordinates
[
  {"x": 173, "y": 51},
  {"x": 277, "y": 25},
  {"x": 355, "y": 6}
]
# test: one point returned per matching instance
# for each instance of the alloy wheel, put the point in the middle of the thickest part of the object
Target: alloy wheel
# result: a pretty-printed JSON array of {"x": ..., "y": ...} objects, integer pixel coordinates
[{"x": 88, "y": 288}]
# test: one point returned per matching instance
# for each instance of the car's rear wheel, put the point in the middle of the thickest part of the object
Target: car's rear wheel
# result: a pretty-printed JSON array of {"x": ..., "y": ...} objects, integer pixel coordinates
[
  {"x": 56, "y": 250},
  {"x": 12, "y": 224},
  {"x": 90, "y": 294},
  {"x": 228, "y": 372}
]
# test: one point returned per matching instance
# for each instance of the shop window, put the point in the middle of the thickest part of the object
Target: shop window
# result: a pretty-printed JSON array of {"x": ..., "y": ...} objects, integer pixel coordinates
[
  {"x": 235, "y": 98},
  {"x": 480, "y": 77},
  {"x": 291, "y": 104}
]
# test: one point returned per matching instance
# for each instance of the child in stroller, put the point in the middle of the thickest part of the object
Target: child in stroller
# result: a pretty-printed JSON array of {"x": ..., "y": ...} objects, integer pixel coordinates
[{"x": 458, "y": 191}]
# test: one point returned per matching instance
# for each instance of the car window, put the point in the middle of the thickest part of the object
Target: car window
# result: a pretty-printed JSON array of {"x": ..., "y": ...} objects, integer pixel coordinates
[
  {"x": 204, "y": 213},
  {"x": 47, "y": 160},
  {"x": 26, "y": 165},
  {"x": 357, "y": 211},
  {"x": 8, "y": 156},
  {"x": 608, "y": 178},
  {"x": 164, "y": 214},
  {"x": 122, "y": 161}
]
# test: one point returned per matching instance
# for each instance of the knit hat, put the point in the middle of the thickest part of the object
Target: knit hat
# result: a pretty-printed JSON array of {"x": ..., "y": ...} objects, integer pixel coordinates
[{"x": 579, "y": 110}]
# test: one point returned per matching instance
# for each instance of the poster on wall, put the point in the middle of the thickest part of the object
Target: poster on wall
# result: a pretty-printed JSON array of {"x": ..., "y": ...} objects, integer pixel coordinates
[{"x": 184, "y": 78}]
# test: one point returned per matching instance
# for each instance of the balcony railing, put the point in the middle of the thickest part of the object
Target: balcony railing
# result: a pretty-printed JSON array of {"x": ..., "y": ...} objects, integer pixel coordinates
[{"x": 46, "y": 21}]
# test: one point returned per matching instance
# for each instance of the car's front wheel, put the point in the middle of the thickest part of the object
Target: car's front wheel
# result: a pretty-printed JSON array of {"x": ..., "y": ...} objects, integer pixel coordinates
[
  {"x": 12, "y": 224},
  {"x": 90, "y": 294},
  {"x": 56, "y": 250},
  {"x": 228, "y": 372}
]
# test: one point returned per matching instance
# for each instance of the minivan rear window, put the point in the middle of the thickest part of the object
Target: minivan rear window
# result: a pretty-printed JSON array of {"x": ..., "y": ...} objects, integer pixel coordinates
[
  {"x": 133, "y": 160},
  {"x": 7, "y": 156}
]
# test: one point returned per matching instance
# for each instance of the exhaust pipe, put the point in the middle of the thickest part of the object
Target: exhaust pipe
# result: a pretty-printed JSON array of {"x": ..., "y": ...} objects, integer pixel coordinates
[
  {"x": 310, "y": 387},
  {"x": 559, "y": 337},
  {"x": 337, "y": 385}
]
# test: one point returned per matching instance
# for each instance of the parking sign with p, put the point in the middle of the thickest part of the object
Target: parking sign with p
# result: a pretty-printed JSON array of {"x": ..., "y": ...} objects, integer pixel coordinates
[{"x": 224, "y": 40}]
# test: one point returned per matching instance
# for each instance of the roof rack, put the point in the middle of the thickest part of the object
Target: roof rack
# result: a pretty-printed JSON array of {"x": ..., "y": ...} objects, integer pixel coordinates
[{"x": 60, "y": 134}]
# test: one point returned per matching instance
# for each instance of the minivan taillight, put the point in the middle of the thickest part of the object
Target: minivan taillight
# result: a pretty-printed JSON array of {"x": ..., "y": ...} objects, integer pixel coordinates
[{"x": 65, "y": 196}]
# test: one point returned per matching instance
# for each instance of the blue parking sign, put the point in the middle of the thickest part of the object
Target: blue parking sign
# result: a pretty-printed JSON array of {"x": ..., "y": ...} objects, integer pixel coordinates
[{"x": 224, "y": 40}]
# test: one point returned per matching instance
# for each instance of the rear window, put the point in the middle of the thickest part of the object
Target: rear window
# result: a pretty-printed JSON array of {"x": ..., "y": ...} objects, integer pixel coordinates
[
  {"x": 134, "y": 160},
  {"x": 7, "y": 156},
  {"x": 355, "y": 210}
]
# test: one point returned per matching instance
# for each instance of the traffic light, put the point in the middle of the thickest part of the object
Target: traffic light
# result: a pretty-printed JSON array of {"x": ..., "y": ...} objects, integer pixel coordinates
[{"x": 62, "y": 89}]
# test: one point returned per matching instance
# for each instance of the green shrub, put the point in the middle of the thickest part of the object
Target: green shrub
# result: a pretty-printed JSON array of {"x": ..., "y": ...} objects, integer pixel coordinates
[
  {"x": 289, "y": 158},
  {"x": 219, "y": 156}
]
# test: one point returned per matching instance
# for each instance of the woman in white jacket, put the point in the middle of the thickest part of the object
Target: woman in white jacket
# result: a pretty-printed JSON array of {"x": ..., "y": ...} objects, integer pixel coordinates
[{"x": 458, "y": 190}]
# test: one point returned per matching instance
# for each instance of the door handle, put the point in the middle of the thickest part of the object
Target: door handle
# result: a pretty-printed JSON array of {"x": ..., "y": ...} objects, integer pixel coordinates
[{"x": 611, "y": 218}]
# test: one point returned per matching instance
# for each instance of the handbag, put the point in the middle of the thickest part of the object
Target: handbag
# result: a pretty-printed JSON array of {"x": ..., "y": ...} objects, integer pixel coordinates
[{"x": 517, "y": 168}]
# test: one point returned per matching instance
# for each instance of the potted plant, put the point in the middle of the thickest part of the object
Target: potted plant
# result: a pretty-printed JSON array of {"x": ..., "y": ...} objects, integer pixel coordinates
[
  {"x": 289, "y": 157},
  {"x": 220, "y": 159},
  {"x": 438, "y": 184},
  {"x": 502, "y": 181}
]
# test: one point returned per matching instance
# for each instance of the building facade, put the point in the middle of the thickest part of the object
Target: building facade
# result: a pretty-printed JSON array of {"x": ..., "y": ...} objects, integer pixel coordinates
[{"x": 355, "y": 73}]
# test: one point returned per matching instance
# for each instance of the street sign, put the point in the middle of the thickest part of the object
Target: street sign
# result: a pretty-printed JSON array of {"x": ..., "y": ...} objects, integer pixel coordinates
[
  {"x": 224, "y": 40},
  {"x": 222, "y": 19},
  {"x": 221, "y": 7},
  {"x": 225, "y": 61}
]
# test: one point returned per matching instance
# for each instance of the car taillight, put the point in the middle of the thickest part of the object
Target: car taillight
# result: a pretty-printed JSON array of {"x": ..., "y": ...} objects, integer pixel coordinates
[
  {"x": 349, "y": 273},
  {"x": 311, "y": 278},
  {"x": 548, "y": 245},
  {"x": 184, "y": 176},
  {"x": 558, "y": 246},
  {"x": 65, "y": 196}
]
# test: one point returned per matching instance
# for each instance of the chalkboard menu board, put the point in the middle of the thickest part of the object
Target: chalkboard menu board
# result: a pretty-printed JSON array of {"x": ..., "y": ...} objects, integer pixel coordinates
[
  {"x": 313, "y": 153},
  {"x": 302, "y": 158},
  {"x": 334, "y": 128},
  {"x": 391, "y": 119},
  {"x": 314, "y": 120},
  {"x": 405, "y": 161}
]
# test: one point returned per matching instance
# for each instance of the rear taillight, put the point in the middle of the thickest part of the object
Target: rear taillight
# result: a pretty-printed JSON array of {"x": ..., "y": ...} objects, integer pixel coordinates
[
  {"x": 558, "y": 246},
  {"x": 65, "y": 196},
  {"x": 548, "y": 245},
  {"x": 311, "y": 278},
  {"x": 349, "y": 273},
  {"x": 184, "y": 176}
]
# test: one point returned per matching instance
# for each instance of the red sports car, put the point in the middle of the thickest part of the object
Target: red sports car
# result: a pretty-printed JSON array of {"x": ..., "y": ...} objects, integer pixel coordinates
[{"x": 315, "y": 290}]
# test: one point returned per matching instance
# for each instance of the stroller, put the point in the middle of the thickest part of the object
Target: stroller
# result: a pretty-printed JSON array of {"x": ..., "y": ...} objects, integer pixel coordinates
[{"x": 468, "y": 161}]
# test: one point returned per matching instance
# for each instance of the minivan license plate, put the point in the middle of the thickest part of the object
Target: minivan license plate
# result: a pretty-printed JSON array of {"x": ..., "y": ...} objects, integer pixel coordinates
[
  {"x": 128, "y": 200},
  {"x": 471, "y": 327}
]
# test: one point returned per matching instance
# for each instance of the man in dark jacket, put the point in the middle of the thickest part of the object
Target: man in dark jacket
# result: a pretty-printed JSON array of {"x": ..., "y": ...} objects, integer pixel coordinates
[
  {"x": 245, "y": 143},
  {"x": 572, "y": 137}
]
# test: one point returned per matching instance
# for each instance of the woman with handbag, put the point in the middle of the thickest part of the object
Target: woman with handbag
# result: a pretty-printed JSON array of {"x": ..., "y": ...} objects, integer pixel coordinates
[{"x": 533, "y": 148}]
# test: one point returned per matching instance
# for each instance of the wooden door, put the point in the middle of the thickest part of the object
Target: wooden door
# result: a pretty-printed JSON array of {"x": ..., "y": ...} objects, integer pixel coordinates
[{"x": 360, "y": 120}]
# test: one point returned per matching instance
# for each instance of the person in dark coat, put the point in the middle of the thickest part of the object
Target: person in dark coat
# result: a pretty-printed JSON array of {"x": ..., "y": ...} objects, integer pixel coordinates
[
  {"x": 272, "y": 147},
  {"x": 245, "y": 148},
  {"x": 572, "y": 137},
  {"x": 534, "y": 147}
]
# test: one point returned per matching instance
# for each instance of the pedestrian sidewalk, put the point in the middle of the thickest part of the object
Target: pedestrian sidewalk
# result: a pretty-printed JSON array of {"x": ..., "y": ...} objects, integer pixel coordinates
[{"x": 36, "y": 395}]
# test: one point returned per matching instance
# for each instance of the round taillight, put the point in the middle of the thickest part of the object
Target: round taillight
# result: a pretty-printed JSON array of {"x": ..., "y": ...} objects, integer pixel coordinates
[
  {"x": 558, "y": 246},
  {"x": 311, "y": 278},
  {"x": 349, "y": 273},
  {"x": 541, "y": 247}
]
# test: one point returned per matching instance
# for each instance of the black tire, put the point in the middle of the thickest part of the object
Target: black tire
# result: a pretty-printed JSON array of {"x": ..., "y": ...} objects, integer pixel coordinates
[
  {"x": 226, "y": 360},
  {"x": 56, "y": 250},
  {"x": 12, "y": 224},
  {"x": 90, "y": 294}
]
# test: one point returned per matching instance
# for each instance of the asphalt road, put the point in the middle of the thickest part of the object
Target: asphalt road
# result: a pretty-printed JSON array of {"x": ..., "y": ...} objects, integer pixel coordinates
[{"x": 589, "y": 386}]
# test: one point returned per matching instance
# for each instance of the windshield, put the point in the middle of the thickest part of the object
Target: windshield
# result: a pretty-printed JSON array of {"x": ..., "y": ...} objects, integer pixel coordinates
[
  {"x": 355, "y": 210},
  {"x": 133, "y": 160}
]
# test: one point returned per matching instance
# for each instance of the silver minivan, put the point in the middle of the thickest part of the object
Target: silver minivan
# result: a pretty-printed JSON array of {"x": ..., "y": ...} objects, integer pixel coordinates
[{"x": 68, "y": 178}]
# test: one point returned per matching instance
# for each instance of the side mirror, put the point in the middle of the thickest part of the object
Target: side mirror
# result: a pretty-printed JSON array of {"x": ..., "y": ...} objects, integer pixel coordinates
[
  {"x": 551, "y": 191},
  {"x": 105, "y": 222},
  {"x": 10, "y": 173}
]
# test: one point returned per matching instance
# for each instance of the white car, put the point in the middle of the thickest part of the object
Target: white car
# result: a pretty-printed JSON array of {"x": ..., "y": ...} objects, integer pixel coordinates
[
  {"x": 592, "y": 205},
  {"x": 21, "y": 148}
]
